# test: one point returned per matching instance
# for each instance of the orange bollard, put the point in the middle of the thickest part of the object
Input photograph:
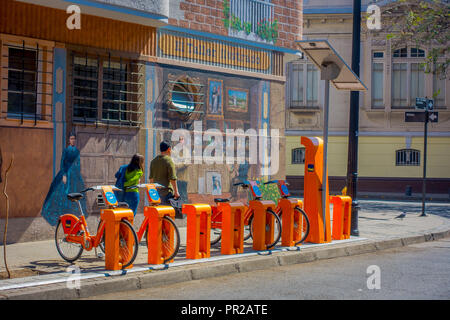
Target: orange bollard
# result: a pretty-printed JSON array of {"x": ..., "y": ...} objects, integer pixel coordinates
[
  {"x": 313, "y": 191},
  {"x": 262, "y": 236},
  {"x": 155, "y": 215},
  {"x": 232, "y": 227},
  {"x": 288, "y": 221},
  {"x": 341, "y": 217},
  {"x": 198, "y": 227},
  {"x": 112, "y": 218}
]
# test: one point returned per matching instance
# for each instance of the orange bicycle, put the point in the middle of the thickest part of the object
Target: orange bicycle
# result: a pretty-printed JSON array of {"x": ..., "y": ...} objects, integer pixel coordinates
[
  {"x": 72, "y": 235},
  {"x": 170, "y": 233},
  {"x": 301, "y": 222},
  {"x": 216, "y": 216}
]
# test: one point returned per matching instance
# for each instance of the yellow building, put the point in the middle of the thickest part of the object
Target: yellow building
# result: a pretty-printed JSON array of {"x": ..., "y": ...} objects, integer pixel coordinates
[{"x": 390, "y": 152}]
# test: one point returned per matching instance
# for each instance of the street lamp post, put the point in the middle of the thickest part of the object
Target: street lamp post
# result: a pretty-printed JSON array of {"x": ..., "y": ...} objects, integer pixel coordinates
[{"x": 352, "y": 166}]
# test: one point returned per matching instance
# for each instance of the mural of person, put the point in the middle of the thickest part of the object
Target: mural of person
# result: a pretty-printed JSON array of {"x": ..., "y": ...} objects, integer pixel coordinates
[{"x": 67, "y": 180}]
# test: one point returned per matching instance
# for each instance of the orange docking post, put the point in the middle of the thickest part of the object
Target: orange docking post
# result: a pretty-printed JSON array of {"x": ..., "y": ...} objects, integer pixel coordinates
[
  {"x": 262, "y": 236},
  {"x": 155, "y": 215},
  {"x": 341, "y": 217},
  {"x": 290, "y": 220},
  {"x": 232, "y": 227},
  {"x": 112, "y": 218},
  {"x": 198, "y": 242}
]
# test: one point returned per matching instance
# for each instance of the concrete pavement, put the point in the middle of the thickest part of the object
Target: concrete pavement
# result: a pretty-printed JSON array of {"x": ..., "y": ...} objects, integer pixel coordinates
[{"x": 45, "y": 275}]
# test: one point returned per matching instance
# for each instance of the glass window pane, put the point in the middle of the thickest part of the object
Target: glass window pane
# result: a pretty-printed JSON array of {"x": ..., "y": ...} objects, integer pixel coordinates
[
  {"x": 399, "y": 92},
  {"x": 377, "y": 85},
  {"x": 297, "y": 85},
  {"x": 312, "y": 87},
  {"x": 417, "y": 86}
]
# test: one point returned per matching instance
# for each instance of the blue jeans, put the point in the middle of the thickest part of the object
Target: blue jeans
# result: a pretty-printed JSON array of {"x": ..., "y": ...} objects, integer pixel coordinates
[{"x": 132, "y": 199}]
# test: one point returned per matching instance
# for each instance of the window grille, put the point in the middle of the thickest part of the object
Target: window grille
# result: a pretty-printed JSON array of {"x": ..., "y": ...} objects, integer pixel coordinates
[
  {"x": 407, "y": 157},
  {"x": 107, "y": 90},
  {"x": 298, "y": 156},
  {"x": 27, "y": 89}
]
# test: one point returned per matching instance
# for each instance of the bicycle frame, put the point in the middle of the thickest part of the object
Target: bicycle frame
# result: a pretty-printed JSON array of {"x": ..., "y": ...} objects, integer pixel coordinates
[
  {"x": 76, "y": 228},
  {"x": 153, "y": 199}
]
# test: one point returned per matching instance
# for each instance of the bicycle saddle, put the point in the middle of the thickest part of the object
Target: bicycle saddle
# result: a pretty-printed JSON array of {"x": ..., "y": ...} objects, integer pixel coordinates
[
  {"x": 221, "y": 200},
  {"x": 75, "y": 196}
]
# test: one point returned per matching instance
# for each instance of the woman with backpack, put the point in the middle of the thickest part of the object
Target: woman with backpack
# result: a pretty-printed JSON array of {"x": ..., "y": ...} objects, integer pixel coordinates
[{"x": 128, "y": 176}]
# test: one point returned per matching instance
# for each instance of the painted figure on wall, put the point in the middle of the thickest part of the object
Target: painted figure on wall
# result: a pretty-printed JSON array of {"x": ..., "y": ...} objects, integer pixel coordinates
[
  {"x": 215, "y": 97},
  {"x": 67, "y": 180}
]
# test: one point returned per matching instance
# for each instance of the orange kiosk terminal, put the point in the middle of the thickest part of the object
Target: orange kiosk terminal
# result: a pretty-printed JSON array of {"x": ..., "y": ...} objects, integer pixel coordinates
[{"x": 320, "y": 229}]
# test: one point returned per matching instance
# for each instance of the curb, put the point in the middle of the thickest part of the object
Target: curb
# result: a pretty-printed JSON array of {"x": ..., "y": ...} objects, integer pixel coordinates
[{"x": 177, "y": 274}]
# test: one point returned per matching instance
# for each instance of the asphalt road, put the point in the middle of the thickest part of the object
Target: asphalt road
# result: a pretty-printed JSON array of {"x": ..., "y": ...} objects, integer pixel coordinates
[{"x": 419, "y": 271}]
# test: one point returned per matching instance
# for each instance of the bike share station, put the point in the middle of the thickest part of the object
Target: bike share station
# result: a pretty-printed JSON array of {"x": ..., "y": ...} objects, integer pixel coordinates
[{"x": 261, "y": 217}]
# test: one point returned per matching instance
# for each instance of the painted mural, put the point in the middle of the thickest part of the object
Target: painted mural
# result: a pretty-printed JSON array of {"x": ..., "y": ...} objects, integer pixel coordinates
[{"x": 67, "y": 180}]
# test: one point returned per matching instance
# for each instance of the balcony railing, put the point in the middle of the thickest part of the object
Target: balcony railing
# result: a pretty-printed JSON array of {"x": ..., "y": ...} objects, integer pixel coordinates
[{"x": 246, "y": 15}]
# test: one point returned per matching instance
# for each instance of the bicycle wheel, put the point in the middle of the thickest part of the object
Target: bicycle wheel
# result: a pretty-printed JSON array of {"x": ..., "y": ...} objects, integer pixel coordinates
[
  {"x": 247, "y": 231},
  {"x": 128, "y": 244},
  {"x": 102, "y": 240},
  {"x": 276, "y": 227},
  {"x": 216, "y": 235},
  {"x": 69, "y": 251},
  {"x": 170, "y": 239},
  {"x": 302, "y": 225}
]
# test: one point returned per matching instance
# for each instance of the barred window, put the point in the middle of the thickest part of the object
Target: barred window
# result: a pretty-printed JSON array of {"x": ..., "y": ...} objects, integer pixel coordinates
[
  {"x": 407, "y": 157},
  {"x": 26, "y": 82},
  {"x": 298, "y": 156},
  {"x": 107, "y": 90}
]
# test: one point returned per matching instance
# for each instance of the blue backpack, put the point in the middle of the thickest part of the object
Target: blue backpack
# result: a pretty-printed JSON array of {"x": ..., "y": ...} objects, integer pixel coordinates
[{"x": 120, "y": 176}]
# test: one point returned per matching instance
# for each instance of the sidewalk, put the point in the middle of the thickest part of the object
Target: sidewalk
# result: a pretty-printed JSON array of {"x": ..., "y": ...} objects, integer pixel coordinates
[{"x": 44, "y": 274}]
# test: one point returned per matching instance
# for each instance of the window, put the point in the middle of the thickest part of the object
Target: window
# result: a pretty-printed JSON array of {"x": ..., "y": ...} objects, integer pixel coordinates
[
  {"x": 303, "y": 87},
  {"x": 407, "y": 157},
  {"x": 22, "y": 82},
  {"x": 408, "y": 77},
  {"x": 298, "y": 156},
  {"x": 26, "y": 82},
  {"x": 106, "y": 90},
  {"x": 378, "y": 80}
]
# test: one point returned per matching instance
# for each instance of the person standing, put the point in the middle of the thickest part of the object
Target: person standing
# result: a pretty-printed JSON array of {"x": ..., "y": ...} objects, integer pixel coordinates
[
  {"x": 67, "y": 180},
  {"x": 162, "y": 171},
  {"x": 133, "y": 173}
]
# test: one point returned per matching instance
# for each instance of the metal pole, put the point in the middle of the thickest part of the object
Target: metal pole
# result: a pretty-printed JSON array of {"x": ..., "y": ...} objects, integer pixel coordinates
[
  {"x": 325, "y": 148},
  {"x": 352, "y": 168},
  {"x": 424, "y": 181}
]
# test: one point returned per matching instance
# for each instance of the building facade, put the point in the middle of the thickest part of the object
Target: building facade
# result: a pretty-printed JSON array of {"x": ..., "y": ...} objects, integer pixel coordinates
[
  {"x": 390, "y": 152},
  {"x": 132, "y": 74}
]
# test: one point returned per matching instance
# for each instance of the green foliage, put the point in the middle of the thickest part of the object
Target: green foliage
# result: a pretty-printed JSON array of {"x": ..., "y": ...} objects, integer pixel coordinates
[
  {"x": 424, "y": 24},
  {"x": 267, "y": 30}
]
